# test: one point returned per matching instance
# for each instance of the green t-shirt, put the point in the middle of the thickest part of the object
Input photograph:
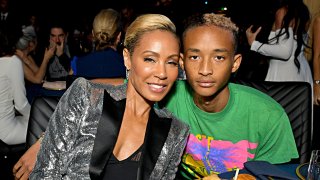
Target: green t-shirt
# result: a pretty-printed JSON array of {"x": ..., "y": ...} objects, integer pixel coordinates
[{"x": 252, "y": 126}]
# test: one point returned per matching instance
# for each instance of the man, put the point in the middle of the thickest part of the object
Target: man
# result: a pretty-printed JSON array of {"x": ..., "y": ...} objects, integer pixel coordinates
[
  {"x": 60, "y": 64},
  {"x": 230, "y": 123},
  {"x": 9, "y": 19}
]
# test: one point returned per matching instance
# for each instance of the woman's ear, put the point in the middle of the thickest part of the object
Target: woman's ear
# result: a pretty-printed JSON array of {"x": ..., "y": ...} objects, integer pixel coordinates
[
  {"x": 181, "y": 61},
  {"x": 118, "y": 40},
  {"x": 236, "y": 62},
  {"x": 127, "y": 58}
]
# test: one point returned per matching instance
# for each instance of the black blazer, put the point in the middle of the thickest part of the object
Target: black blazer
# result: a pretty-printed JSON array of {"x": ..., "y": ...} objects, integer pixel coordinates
[{"x": 108, "y": 129}]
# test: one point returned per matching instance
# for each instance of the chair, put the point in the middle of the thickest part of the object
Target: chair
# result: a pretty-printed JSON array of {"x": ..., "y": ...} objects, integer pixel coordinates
[
  {"x": 295, "y": 98},
  {"x": 42, "y": 108}
]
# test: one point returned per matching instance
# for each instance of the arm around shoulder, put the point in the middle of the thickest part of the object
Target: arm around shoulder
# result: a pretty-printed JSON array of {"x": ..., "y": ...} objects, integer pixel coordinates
[{"x": 60, "y": 136}]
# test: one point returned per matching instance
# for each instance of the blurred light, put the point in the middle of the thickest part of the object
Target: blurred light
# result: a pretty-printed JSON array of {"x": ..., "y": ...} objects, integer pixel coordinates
[
  {"x": 206, "y": 2},
  {"x": 223, "y": 8}
]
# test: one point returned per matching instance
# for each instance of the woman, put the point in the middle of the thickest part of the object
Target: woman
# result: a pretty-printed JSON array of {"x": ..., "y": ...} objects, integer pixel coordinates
[
  {"x": 313, "y": 53},
  {"x": 105, "y": 61},
  {"x": 285, "y": 43},
  {"x": 14, "y": 106},
  {"x": 113, "y": 132},
  {"x": 32, "y": 72}
]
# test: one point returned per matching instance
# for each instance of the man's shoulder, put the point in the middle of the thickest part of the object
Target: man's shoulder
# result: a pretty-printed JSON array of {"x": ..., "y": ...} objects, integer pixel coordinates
[
  {"x": 179, "y": 90},
  {"x": 255, "y": 95}
]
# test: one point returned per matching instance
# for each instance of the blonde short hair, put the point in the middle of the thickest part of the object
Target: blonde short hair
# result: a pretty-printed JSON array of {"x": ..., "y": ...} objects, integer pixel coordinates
[{"x": 146, "y": 23}]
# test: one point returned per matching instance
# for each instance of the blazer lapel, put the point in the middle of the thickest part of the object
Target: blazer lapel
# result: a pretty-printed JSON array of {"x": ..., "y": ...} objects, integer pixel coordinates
[
  {"x": 156, "y": 135},
  {"x": 107, "y": 133}
]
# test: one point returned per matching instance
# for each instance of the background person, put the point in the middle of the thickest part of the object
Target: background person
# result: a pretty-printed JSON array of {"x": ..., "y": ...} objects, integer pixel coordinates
[
  {"x": 14, "y": 106},
  {"x": 104, "y": 61},
  {"x": 59, "y": 64},
  {"x": 285, "y": 42}
]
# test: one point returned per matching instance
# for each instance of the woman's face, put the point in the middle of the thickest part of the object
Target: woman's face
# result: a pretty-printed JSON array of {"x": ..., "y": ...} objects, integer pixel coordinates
[
  {"x": 32, "y": 45},
  {"x": 153, "y": 65}
]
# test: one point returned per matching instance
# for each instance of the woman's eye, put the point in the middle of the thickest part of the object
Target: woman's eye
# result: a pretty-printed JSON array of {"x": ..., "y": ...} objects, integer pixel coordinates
[
  {"x": 148, "y": 60},
  {"x": 175, "y": 63}
]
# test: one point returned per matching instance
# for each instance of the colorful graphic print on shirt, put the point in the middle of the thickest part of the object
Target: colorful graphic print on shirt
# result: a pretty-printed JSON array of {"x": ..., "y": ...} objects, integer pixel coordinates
[{"x": 204, "y": 155}]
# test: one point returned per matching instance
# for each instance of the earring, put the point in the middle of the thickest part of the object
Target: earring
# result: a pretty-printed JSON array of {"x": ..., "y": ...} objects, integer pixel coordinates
[{"x": 127, "y": 73}]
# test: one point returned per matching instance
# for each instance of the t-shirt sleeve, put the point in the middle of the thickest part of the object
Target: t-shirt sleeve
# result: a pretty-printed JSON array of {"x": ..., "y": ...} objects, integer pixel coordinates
[{"x": 278, "y": 144}]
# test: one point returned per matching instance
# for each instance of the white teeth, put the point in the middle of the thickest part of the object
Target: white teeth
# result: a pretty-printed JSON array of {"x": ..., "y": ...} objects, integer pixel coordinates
[{"x": 156, "y": 86}]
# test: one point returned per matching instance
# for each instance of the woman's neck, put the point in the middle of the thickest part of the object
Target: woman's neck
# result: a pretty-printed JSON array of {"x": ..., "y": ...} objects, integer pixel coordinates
[{"x": 137, "y": 106}]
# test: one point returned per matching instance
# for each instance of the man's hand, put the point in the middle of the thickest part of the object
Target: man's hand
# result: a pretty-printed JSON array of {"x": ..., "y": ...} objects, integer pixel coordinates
[
  {"x": 59, "y": 48},
  {"x": 22, "y": 169}
]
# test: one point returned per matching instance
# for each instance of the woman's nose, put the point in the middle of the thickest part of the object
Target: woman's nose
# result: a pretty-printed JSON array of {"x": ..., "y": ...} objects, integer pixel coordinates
[{"x": 161, "y": 71}]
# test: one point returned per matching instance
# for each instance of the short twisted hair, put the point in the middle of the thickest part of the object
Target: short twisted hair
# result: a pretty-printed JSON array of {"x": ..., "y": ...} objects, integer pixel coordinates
[{"x": 211, "y": 19}]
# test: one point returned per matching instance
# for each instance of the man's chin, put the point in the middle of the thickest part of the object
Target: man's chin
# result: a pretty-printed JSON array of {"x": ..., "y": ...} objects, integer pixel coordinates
[{"x": 205, "y": 92}]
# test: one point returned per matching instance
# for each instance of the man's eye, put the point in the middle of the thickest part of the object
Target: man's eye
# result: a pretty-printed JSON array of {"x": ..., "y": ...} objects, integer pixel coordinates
[
  {"x": 194, "y": 57},
  {"x": 219, "y": 58}
]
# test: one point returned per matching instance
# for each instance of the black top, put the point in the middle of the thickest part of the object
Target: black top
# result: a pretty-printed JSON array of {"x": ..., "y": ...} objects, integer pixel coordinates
[{"x": 125, "y": 169}]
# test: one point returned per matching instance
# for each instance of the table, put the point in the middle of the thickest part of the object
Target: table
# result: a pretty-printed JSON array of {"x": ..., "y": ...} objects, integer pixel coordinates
[
  {"x": 289, "y": 168},
  {"x": 34, "y": 90}
]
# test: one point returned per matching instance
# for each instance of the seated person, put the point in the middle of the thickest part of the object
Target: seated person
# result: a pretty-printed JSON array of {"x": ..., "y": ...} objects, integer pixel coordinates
[
  {"x": 33, "y": 74},
  {"x": 60, "y": 63},
  {"x": 105, "y": 61},
  {"x": 230, "y": 123},
  {"x": 14, "y": 106},
  {"x": 114, "y": 132}
]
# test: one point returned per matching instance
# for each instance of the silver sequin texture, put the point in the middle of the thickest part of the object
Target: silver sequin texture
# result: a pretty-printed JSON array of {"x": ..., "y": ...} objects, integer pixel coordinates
[{"x": 66, "y": 149}]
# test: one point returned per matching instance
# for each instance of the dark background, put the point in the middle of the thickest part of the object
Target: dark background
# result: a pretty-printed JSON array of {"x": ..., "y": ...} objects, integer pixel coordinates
[{"x": 240, "y": 10}]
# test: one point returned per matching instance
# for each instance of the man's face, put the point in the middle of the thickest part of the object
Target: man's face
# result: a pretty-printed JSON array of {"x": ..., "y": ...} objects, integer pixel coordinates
[
  {"x": 209, "y": 59},
  {"x": 4, "y": 5},
  {"x": 57, "y": 35}
]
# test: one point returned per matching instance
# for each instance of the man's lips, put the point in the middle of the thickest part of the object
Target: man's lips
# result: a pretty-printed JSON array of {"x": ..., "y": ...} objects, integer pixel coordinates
[{"x": 205, "y": 83}]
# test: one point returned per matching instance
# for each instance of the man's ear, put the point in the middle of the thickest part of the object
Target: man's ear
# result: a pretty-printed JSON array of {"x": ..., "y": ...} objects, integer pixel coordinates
[
  {"x": 181, "y": 61},
  {"x": 127, "y": 59},
  {"x": 66, "y": 37},
  {"x": 236, "y": 62}
]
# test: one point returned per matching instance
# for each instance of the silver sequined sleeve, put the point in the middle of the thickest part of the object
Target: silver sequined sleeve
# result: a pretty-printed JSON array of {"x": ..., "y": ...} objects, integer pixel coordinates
[{"x": 67, "y": 145}]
